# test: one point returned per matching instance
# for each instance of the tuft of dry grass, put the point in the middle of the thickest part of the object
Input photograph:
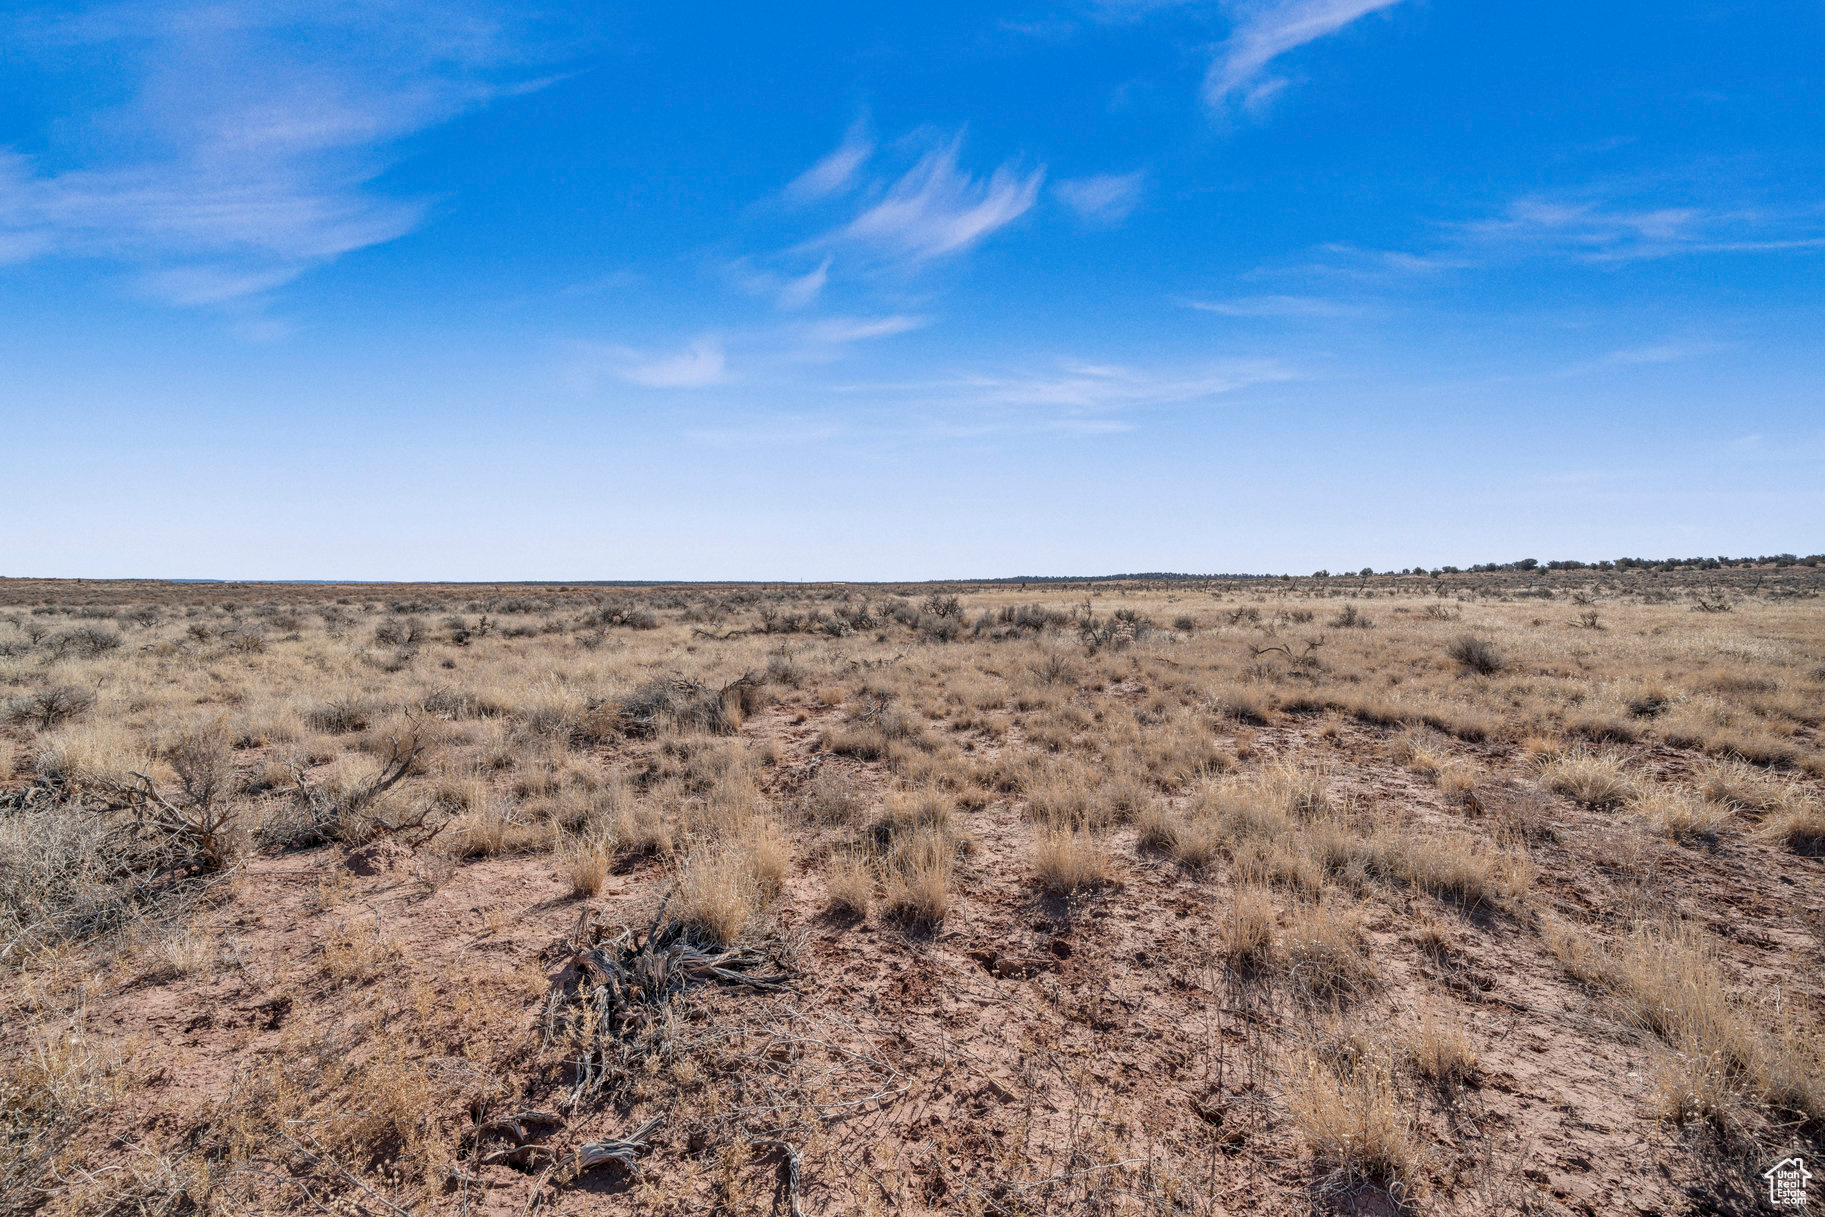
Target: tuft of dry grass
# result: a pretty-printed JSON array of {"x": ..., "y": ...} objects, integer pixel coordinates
[
  {"x": 831, "y": 797},
  {"x": 1594, "y": 779},
  {"x": 1248, "y": 929},
  {"x": 849, "y": 882},
  {"x": 1454, "y": 867},
  {"x": 1324, "y": 950},
  {"x": 1478, "y": 655},
  {"x": 1070, "y": 859},
  {"x": 1418, "y": 753},
  {"x": 1457, "y": 782},
  {"x": 586, "y": 864},
  {"x": 1721, "y": 1054},
  {"x": 1438, "y": 1049},
  {"x": 1679, "y": 815},
  {"x": 357, "y": 952},
  {"x": 1353, "y": 1119},
  {"x": 716, "y": 894},
  {"x": 1800, "y": 826},
  {"x": 1297, "y": 790},
  {"x": 1741, "y": 787},
  {"x": 919, "y": 866}
]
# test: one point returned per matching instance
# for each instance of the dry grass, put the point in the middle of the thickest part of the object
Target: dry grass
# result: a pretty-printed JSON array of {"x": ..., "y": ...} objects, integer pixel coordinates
[
  {"x": 716, "y": 894},
  {"x": 1594, "y": 779},
  {"x": 919, "y": 865},
  {"x": 1354, "y": 1120},
  {"x": 1455, "y": 867},
  {"x": 1438, "y": 1049},
  {"x": 934, "y": 773},
  {"x": 1324, "y": 950},
  {"x": 357, "y": 952},
  {"x": 1678, "y": 814},
  {"x": 849, "y": 882},
  {"x": 1248, "y": 929},
  {"x": 1070, "y": 860},
  {"x": 585, "y": 865},
  {"x": 1800, "y": 826},
  {"x": 1722, "y": 1054}
]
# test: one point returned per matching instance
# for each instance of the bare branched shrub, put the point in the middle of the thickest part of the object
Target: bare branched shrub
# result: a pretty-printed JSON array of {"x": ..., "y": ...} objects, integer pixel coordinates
[
  {"x": 86, "y": 640},
  {"x": 47, "y": 707},
  {"x": 1477, "y": 655},
  {"x": 357, "y": 811}
]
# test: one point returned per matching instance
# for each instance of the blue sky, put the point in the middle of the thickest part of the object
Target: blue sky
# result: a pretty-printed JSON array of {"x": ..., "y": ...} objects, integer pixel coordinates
[{"x": 471, "y": 291}]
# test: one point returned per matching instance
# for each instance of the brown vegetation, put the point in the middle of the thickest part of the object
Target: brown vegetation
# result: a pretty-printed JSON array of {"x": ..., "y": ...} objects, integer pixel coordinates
[{"x": 1481, "y": 893}]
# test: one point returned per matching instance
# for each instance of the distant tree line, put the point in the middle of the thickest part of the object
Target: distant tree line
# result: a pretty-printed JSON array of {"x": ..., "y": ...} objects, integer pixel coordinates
[{"x": 1778, "y": 561}]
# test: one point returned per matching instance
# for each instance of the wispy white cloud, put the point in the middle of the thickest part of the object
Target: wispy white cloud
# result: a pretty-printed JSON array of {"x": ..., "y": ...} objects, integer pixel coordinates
[
  {"x": 1659, "y": 352},
  {"x": 1265, "y": 31},
  {"x": 1597, "y": 232},
  {"x": 246, "y": 151},
  {"x": 837, "y": 170},
  {"x": 800, "y": 291},
  {"x": 1594, "y": 229},
  {"x": 1276, "y": 306},
  {"x": 936, "y": 209},
  {"x": 1646, "y": 355},
  {"x": 698, "y": 366},
  {"x": 1078, "y": 387},
  {"x": 839, "y": 331},
  {"x": 784, "y": 431},
  {"x": 1107, "y": 198}
]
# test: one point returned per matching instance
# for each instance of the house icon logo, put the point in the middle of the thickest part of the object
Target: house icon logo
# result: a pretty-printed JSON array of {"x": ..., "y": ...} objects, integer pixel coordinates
[{"x": 1787, "y": 1180}]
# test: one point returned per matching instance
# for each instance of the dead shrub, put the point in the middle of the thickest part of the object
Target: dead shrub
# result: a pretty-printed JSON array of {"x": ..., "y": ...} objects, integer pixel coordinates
[
  {"x": 680, "y": 704},
  {"x": 341, "y": 716},
  {"x": 1477, "y": 655},
  {"x": 46, "y": 707}
]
